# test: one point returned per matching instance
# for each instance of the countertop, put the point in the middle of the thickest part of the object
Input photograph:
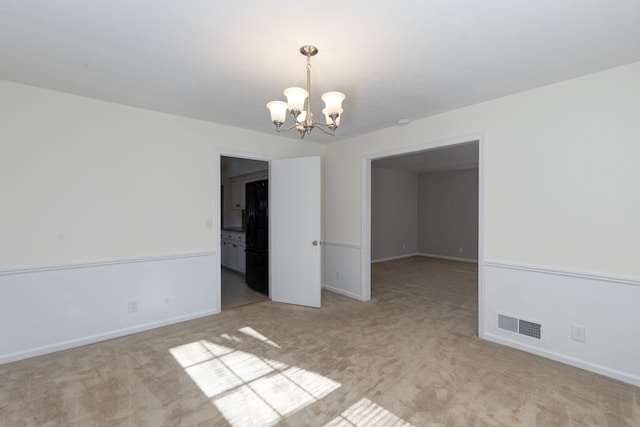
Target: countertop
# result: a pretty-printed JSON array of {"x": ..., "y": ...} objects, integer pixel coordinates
[{"x": 233, "y": 229}]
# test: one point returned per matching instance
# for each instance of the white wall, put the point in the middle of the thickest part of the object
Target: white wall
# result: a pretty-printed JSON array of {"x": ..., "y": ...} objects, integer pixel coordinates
[
  {"x": 448, "y": 214},
  {"x": 86, "y": 179},
  {"x": 563, "y": 156},
  {"x": 87, "y": 184},
  {"x": 394, "y": 213},
  {"x": 560, "y": 194}
]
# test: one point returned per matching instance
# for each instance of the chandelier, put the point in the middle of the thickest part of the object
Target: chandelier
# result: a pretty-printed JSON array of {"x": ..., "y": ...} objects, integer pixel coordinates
[{"x": 303, "y": 118}]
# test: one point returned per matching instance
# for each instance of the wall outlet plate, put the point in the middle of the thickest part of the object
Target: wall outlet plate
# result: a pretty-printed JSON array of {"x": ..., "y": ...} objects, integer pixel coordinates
[
  {"x": 578, "y": 333},
  {"x": 132, "y": 306}
]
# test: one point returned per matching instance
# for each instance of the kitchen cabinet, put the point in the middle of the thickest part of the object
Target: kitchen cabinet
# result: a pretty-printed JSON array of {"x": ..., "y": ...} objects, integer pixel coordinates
[
  {"x": 232, "y": 251},
  {"x": 242, "y": 258},
  {"x": 238, "y": 193},
  {"x": 232, "y": 254},
  {"x": 224, "y": 258}
]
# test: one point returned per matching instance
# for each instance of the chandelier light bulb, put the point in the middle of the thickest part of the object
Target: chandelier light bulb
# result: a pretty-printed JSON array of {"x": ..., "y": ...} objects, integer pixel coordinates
[
  {"x": 295, "y": 98},
  {"x": 333, "y": 101},
  {"x": 278, "y": 111}
]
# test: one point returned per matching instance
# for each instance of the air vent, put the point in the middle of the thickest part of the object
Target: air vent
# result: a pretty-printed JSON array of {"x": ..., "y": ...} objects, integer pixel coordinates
[
  {"x": 532, "y": 329},
  {"x": 508, "y": 323}
]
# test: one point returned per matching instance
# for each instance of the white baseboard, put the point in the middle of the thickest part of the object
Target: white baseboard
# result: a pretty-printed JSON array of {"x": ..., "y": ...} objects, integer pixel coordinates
[
  {"x": 452, "y": 258},
  {"x": 391, "y": 258},
  {"x": 6, "y": 358},
  {"x": 342, "y": 292},
  {"x": 558, "y": 357}
]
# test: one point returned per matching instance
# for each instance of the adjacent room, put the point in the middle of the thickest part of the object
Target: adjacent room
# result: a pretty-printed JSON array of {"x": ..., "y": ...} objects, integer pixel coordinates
[
  {"x": 409, "y": 213},
  {"x": 424, "y": 225}
]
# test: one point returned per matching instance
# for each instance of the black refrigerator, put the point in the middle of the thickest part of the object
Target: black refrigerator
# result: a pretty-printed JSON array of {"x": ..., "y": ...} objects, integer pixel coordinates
[{"x": 257, "y": 235}]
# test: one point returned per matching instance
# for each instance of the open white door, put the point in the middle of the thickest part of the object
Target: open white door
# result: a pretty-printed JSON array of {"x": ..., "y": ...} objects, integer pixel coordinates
[{"x": 294, "y": 211}]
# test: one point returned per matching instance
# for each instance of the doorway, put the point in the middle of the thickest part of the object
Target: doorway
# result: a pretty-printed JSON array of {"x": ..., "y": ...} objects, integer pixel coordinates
[
  {"x": 403, "y": 246},
  {"x": 244, "y": 276},
  {"x": 294, "y": 228}
]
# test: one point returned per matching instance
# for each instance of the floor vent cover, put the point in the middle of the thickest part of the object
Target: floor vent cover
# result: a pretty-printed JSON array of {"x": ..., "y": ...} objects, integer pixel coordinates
[
  {"x": 508, "y": 323},
  {"x": 532, "y": 329}
]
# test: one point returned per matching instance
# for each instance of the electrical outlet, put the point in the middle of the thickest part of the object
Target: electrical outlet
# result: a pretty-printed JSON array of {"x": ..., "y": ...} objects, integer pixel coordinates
[
  {"x": 337, "y": 275},
  {"x": 578, "y": 333},
  {"x": 133, "y": 306},
  {"x": 404, "y": 246},
  {"x": 460, "y": 249}
]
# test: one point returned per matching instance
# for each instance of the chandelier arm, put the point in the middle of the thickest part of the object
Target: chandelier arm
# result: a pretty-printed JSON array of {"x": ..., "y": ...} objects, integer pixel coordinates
[
  {"x": 330, "y": 132},
  {"x": 331, "y": 126},
  {"x": 293, "y": 126}
]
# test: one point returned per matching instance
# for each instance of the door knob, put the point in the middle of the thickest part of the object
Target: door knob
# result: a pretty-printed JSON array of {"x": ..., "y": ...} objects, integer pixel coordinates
[{"x": 315, "y": 243}]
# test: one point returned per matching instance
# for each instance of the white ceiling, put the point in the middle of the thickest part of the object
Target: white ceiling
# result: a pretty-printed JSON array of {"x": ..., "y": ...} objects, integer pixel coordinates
[{"x": 223, "y": 61}]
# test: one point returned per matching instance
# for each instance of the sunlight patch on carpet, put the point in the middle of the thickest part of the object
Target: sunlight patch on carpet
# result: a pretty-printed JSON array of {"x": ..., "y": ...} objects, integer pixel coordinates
[
  {"x": 230, "y": 337},
  {"x": 367, "y": 413},
  {"x": 249, "y": 389},
  {"x": 257, "y": 335}
]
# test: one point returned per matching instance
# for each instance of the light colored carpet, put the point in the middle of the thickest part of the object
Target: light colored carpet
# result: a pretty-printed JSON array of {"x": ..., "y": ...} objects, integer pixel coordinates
[{"x": 409, "y": 357}]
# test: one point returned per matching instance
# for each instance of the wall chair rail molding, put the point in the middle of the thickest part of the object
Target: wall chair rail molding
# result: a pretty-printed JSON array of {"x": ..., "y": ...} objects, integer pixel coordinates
[
  {"x": 604, "y": 308},
  {"x": 89, "y": 264},
  {"x": 564, "y": 272},
  {"x": 341, "y": 245},
  {"x": 55, "y": 307}
]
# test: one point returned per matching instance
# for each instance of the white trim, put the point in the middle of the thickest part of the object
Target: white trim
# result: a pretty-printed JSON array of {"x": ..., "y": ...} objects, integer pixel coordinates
[
  {"x": 563, "y": 272},
  {"x": 341, "y": 245},
  {"x": 392, "y": 258},
  {"x": 365, "y": 254},
  {"x": 452, "y": 258},
  {"x": 6, "y": 358},
  {"x": 110, "y": 262},
  {"x": 229, "y": 152},
  {"x": 593, "y": 367},
  {"x": 482, "y": 167},
  {"x": 426, "y": 146},
  {"x": 342, "y": 292}
]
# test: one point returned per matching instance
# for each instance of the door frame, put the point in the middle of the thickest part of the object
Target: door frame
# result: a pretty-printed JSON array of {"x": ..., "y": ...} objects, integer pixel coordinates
[
  {"x": 366, "y": 211},
  {"x": 220, "y": 152}
]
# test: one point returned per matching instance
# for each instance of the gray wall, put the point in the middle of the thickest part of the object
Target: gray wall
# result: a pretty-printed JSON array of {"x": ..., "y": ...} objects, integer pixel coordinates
[
  {"x": 394, "y": 213},
  {"x": 448, "y": 213}
]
